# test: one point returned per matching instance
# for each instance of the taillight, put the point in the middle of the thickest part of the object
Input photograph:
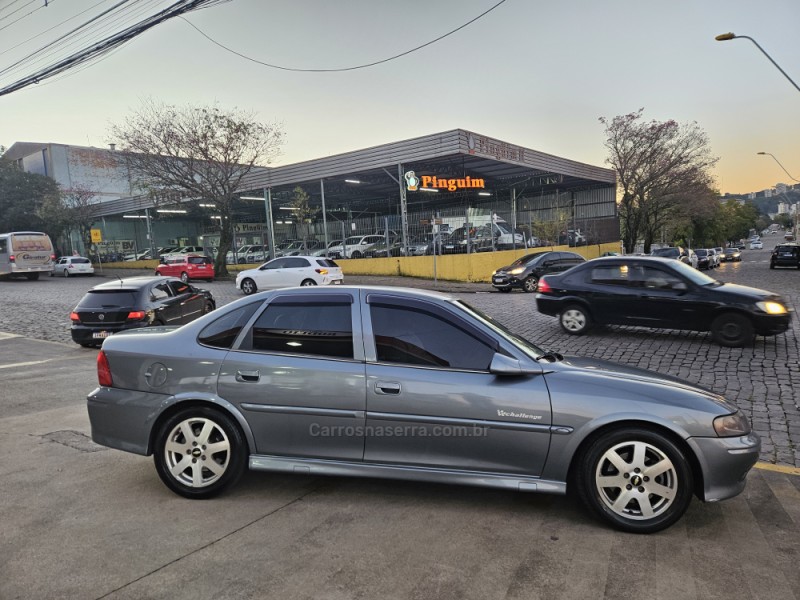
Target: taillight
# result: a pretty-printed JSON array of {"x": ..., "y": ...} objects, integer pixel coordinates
[
  {"x": 53, "y": 257},
  {"x": 322, "y": 271},
  {"x": 543, "y": 287},
  {"x": 11, "y": 258},
  {"x": 103, "y": 370},
  {"x": 74, "y": 317},
  {"x": 136, "y": 315}
]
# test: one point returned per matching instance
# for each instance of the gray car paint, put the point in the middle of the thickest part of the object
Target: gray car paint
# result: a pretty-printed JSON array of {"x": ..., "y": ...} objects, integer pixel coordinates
[{"x": 586, "y": 395}]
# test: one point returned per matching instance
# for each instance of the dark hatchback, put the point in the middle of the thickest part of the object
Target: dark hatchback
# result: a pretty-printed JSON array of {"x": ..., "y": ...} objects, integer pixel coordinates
[
  {"x": 524, "y": 273},
  {"x": 785, "y": 255},
  {"x": 661, "y": 293},
  {"x": 136, "y": 302}
]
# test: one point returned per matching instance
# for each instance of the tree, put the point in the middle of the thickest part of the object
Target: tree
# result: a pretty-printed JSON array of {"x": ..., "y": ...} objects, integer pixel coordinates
[
  {"x": 657, "y": 164},
  {"x": 303, "y": 213},
  {"x": 196, "y": 153},
  {"x": 21, "y": 196}
]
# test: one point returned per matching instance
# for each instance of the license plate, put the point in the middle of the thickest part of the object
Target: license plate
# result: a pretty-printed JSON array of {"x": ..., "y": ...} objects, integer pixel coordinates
[
  {"x": 499, "y": 279},
  {"x": 99, "y": 335},
  {"x": 336, "y": 281}
]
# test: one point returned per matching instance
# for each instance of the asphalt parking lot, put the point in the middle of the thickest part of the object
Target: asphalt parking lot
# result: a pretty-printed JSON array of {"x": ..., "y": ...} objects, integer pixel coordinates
[{"x": 82, "y": 521}]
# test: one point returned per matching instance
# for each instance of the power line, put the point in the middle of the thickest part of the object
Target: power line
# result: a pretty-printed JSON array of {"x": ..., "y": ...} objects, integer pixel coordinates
[
  {"x": 364, "y": 66},
  {"x": 28, "y": 14},
  {"x": 14, "y": 11}
]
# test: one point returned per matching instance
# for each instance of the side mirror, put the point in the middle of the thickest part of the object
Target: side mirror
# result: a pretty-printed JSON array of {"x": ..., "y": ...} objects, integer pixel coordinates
[{"x": 505, "y": 366}]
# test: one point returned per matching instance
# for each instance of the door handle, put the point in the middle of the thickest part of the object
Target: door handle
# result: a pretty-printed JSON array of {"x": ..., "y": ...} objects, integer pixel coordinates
[
  {"x": 387, "y": 387},
  {"x": 247, "y": 376}
]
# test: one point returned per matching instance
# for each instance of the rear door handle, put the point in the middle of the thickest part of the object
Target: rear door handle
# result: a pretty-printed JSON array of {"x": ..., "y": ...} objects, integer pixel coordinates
[
  {"x": 247, "y": 376},
  {"x": 387, "y": 387}
]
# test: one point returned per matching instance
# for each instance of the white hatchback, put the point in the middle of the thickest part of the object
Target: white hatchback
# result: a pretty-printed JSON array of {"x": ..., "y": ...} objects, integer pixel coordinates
[
  {"x": 289, "y": 271},
  {"x": 756, "y": 245},
  {"x": 72, "y": 265}
]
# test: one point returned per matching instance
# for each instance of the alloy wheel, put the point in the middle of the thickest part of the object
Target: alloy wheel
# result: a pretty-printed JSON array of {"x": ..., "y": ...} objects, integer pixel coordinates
[{"x": 197, "y": 452}]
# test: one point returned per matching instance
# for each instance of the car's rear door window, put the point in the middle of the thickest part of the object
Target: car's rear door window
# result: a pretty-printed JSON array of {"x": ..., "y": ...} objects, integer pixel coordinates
[
  {"x": 304, "y": 326},
  {"x": 222, "y": 332}
]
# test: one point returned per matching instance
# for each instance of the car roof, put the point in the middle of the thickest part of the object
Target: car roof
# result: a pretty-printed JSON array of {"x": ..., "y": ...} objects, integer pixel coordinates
[{"x": 130, "y": 283}]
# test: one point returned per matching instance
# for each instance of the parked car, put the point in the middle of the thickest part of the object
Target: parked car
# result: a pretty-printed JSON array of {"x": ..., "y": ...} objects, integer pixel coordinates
[
  {"x": 133, "y": 303},
  {"x": 524, "y": 273},
  {"x": 685, "y": 255},
  {"x": 705, "y": 259},
  {"x": 785, "y": 255},
  {"x": 716, "y": 259},
  {"x": 756, "y": 245},
  {"x": 186, "y": 267},
  {"x": 66, "y": 266},
  {"x": 289, "y": 271},
  {"x": 720, "y": 251},
  {"x": 331, "y": 251},
  {"x": 660, "y": 293},
  {"x": 190, "y": 250},
  {"x": 299, "y": 247},
  {"x": 733, "y": 255},
  {"x": 304, "y": 379},
  {"x": 357, "y": 245},
  {"x": 788, "y": 236},
  {"x": 256, "y": 254},
  {"x": 381, "y": 250}
]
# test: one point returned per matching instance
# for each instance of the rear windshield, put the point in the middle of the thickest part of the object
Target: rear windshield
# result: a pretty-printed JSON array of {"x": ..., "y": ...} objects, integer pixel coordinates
[
  {"x": 701, "y": 252},
  {"x": 199, "y": 260},
  {"x": 108, "y": 298},
  {"x": 666, "y": 252},
  {"x": 81, "y": 261},
  {"x": 324, "y": 262}
]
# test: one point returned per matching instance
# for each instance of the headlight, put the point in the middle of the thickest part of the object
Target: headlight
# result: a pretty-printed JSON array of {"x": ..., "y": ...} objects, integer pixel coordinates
[
  {"x": 772, "y": 308},
  {"x": 517, "y": 271},
  {"x": 732, "y": 425}
]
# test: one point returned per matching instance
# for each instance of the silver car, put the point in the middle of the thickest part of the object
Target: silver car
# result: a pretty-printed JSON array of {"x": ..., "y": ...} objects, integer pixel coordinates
[{"x": 408, "y": 384}]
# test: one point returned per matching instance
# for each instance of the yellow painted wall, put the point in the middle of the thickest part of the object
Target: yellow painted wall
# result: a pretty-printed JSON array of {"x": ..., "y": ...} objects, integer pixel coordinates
[{"x": 476, "y": 267}]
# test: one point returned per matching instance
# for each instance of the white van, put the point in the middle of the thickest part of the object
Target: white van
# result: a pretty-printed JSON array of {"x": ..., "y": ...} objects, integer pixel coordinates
[{"x": 26, "y": 253}]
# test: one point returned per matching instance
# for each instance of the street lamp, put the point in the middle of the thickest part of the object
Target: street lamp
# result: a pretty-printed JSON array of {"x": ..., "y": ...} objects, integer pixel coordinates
[
  {"x": 779, "y": 164},
  {"x": 723, "y": 37}
]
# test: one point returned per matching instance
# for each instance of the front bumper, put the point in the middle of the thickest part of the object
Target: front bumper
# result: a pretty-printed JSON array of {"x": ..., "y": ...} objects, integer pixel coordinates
[
  {"x": 725, "y": 463},
  {"x": 506, "y": 281},
  {"x": 772, "y": 324}
]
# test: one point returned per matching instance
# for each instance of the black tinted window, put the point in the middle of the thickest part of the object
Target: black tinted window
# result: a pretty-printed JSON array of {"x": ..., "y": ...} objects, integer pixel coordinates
[
  {"x": 109, "y": 298},
  {"x": 199, "y": 260},
  {"x": 611, "y": 275},
  {"x": 415, "y": 337},
  {"x": 160, "y": 291},
  {"x": 324, "y": 262},
  {"x": 296, "y": 263},
  {"x": 80, "y": 261},
  {"x": 222, "y": 332},
  {"x": 323, "y": 329}
]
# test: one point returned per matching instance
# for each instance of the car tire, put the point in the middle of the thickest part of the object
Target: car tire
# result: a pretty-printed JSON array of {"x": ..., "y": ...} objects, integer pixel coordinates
[
  {"x": 207, "y": 427},
  {"x": 505, "y": 290},
  {"x": 208, "y": 307},
  {"x": 158, "y": 273},
  {"x": 530, "y": 283},
  {"x": 575, "y": 319},
  {"x": 771, "y": 265},
  {"x": 52, "y": 273},
  {"x": 732, "y": 330},
  {"x": 185, "y": 277},
  {"x": 66, "y": 273},
  {"x": 31, "y": 276},
  {"x": 308, "y": 282},
  {"x": 656, "y": 478},
  {"x": 248, "y": 286},
  {"x": 356, "y": 254}
]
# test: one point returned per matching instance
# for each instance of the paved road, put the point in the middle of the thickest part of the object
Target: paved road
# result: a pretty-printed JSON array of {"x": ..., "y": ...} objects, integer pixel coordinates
[
  {"x": 764, "y": 380},
  {"x": 80, "y": 521}
]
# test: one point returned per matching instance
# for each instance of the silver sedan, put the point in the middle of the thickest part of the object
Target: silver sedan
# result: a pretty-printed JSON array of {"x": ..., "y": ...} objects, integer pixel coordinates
[{"x": 407, "y": 384}]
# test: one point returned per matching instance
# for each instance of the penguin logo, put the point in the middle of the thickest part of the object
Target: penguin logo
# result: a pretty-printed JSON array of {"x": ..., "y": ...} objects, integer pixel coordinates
[{"x": 412, "y": 181}]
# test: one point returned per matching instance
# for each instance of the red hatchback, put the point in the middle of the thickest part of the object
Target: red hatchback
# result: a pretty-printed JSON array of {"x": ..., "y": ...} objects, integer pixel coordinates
[{"x": 186, "y": 266}]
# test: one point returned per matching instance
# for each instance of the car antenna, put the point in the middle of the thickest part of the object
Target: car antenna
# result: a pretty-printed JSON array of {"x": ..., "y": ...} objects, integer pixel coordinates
[{"x": 120, "y": 279}]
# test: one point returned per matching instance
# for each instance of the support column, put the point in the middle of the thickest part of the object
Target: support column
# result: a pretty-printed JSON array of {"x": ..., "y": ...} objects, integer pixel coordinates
[
  {"x": 324, "y": 213},
  {"x": 270, "y": 225},
  {"x": 403, "y": 206}
]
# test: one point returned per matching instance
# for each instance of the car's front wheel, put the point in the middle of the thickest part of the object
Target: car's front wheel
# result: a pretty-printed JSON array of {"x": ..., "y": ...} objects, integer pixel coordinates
[
  {"x": 530, "y": 283},
  {"x": 199, "y": 452},
  {"x": 248, "y": 286},
  {"x": 65, "y": 272},
  {"x": 185, "y": 277},
  {"x": 732, "y": 330},
  {"x": 638, "y": 480},
  {"x": 575, "y": 320},
  {"x": 356, "y": 254}
]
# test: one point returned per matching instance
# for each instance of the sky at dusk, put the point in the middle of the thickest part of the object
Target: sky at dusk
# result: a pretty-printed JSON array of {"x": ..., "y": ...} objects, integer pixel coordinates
[{"x": 533, "y": 73}]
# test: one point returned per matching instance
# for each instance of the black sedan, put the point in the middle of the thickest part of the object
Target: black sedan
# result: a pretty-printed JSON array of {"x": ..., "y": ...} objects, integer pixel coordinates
[
  {"x": 732, "y": 255},
  {"x": 662, "y": 293},
  {"x": 136, "y": 302},
  {"x": 524, "y": 273}
]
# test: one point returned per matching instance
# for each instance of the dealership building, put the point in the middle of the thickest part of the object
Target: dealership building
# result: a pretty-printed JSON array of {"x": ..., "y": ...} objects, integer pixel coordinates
[{"x": 404, "y": 190}]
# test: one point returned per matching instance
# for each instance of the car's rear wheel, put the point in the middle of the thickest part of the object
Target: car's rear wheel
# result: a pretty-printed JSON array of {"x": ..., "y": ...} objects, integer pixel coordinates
[
  {"x": 199, "y": 452},
  {"x": 356, "y": 254},
  {"x": 32, "y": 276},
  {"x": 209, "y": 306},
  {"x": 575, "y": 319},
  {"x": 732, "y": 330},
  {"x": 185, "y": 277},
  {"x": 637, "y": 480},
  {"x": 771, "y": 265},
  {"x": 530, "y": 283},
  {"x": 308, "y": 282},
  {"x": 248, "y": 286},
  {"x": 65, "y": 272},
  {"x": 158, "y": 273}
]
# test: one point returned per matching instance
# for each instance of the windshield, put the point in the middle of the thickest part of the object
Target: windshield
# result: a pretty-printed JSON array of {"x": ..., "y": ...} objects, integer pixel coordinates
[
  {"x": 701, "y": 252},
  {"x": 518, "y": 341},
  {"x": 503, "y": 227},
  {"x": 693, "y": 275},
  {"x": 523, "y": 260},
  {"x": 353, "y": 241}
]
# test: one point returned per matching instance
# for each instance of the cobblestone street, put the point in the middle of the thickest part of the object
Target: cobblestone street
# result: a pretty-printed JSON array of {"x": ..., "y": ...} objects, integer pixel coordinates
[{"x": 763, "y": 380}]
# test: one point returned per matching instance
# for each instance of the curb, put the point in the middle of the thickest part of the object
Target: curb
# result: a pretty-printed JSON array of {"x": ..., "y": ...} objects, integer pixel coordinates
[{"x": 786, "y": 470}]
